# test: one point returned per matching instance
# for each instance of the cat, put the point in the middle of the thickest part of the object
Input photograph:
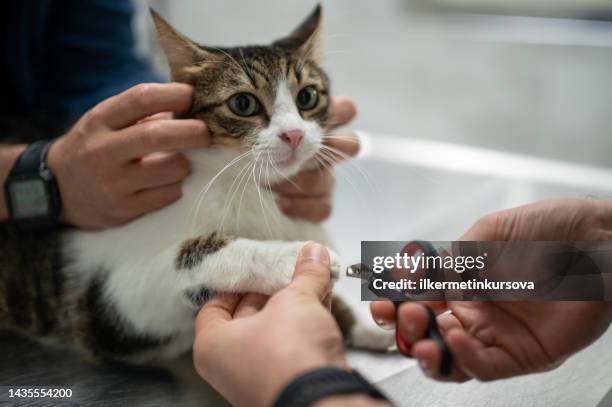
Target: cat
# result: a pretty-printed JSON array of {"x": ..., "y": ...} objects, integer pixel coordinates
[{"x": 130, "y": 293}]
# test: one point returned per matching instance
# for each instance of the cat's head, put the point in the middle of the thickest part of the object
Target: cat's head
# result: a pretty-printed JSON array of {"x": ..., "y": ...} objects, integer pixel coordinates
[{"x": 271, "y": 100}]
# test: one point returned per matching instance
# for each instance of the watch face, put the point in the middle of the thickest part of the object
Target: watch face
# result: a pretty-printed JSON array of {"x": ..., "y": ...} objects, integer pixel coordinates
[{"x": 29, "y": 198}]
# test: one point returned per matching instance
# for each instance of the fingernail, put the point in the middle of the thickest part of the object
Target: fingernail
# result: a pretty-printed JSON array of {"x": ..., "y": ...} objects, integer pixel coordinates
[
  {"x": 385, "y": 324},
  {"x": 284, "y": 203},
  {"x": 315, "y": 251},
  {"x": 345, "y": 110}
]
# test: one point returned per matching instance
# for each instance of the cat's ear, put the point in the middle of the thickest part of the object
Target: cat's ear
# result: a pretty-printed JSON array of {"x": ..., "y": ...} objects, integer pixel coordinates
[
  {"x": 307, "y": 38},
  {"x": 182, "y": 53}
]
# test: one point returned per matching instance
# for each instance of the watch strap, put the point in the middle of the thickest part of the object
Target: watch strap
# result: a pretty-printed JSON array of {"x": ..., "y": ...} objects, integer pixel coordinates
[
  {"x": 317, "y": 384},
  {"x": 32, "y": 159},
  {"x": 32, "y": 163}
]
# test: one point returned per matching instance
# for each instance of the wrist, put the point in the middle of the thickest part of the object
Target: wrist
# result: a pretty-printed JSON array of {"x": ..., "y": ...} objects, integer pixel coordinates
[
  {"x": 8, "y": 156},
  {"x": 54, "y": 163},
  {"x": 351, "y": 400},
  {"x": 330, "y": 386},
  {"x": 290, "y": 371}
]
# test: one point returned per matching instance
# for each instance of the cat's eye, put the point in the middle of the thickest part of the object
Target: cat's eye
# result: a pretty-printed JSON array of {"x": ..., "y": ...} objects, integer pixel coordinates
[
  {"x": 244, "y": 104},
  {"x": 307, "y": 98}
]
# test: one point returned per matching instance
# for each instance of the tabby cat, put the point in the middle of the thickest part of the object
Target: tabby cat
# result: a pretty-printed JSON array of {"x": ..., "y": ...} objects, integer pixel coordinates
[{"x": 130, "y": 293}]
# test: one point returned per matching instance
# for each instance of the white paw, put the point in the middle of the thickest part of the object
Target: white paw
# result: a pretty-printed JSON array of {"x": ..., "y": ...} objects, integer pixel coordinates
[
  {"x": 286, "y": 259},
  {"x": 335, "y": 266}
]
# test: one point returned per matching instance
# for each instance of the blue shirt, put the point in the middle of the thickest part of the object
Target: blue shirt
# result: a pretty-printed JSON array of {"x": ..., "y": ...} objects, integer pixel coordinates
[{"x": 64, "y": 56}]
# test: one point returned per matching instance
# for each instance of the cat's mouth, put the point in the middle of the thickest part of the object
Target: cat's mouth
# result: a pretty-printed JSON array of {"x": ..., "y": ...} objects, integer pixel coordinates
[{"x": 284, "y": 159}]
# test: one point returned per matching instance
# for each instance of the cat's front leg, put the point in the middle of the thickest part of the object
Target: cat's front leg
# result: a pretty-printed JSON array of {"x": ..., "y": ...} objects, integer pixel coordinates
[{"x": 219, "y": 263}]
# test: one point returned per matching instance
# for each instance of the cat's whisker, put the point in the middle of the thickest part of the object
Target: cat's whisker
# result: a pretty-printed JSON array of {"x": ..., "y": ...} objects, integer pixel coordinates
[
  {"x": 279, "y": 172},
  {"x": 196, "y": 207},
  {"x": 361, "y": 195},
  {"x": 272, "y": 196},
  {"x": 232, "y": 191},
  {"x": 272, "y": 210},
  {"x": 261, "y": 201},
  {"x": 246, "y": 180},
  {"x": 239, "y": 208},
  {"x": 327, "y": 156},
  {"x": 335, "y": 153},
  {"x": 206, "y": 188},
  {"x": 346, "y": 139}
]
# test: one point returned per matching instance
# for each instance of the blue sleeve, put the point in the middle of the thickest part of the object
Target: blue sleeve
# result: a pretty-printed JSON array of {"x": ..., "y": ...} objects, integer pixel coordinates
[{"x": 83, "y": 51}]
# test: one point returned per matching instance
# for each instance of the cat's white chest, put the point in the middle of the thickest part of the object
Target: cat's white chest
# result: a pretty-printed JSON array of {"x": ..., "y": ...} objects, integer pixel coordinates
[{"x": 234, "y": 202}]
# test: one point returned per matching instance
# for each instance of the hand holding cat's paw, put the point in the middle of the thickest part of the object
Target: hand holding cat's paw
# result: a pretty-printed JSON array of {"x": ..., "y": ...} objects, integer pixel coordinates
[{"x": 288, "y": 259}]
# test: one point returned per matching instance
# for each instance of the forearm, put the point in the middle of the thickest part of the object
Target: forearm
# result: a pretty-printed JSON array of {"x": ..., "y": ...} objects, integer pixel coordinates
[
  {"x": 8, "y": 156},
  {"x": 351, "y": 400}
]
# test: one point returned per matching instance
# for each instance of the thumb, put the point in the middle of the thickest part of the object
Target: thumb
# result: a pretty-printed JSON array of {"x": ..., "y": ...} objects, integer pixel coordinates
[
  {"x": 312, "y": 272},
  {"x": 221, "y": 307}
]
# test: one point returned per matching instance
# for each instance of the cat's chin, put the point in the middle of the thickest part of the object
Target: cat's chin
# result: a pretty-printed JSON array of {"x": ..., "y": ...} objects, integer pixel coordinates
[{"x": 292, "y": 166}]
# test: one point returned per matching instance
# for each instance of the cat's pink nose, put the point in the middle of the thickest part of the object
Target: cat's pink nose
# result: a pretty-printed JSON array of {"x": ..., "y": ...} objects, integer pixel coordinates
[{"x": 292, "y": 137}]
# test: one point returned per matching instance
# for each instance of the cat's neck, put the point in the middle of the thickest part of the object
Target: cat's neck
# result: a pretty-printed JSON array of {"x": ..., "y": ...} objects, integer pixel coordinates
[{"x": 227, "y": 193}]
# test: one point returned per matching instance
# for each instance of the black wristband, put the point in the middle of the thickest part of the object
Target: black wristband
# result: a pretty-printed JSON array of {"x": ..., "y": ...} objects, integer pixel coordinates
[
  {"x": 317, "y": 384},
  {"x": 30, "y": 167}
]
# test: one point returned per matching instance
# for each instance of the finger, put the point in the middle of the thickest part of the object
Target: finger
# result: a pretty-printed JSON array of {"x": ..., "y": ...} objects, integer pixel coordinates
[
  {"x": 312, "y": 272},
  {"x": 157, "y": 116},
  {"x": 160, "y": 135},
  {"x": 142, "y": 101},
  {"x": 156, "y": 170},
  {"x": 309, "y": 183},
  {"x": 150, "y": 200},
  {"x": 448, "y": 321},
  {"x": 413, "y": 318},
  {"x": 412, "y": 322},
  {"x": 437, "y": 307},
  {"x": 219, "y": 308},
  {"x": 340, "y": 147},
  {"x": 250, "y": 305},
  {"x": 428, "y": 354},
  {"x": 383, "y": 313},
  {"x": 327, "y": 301},
  {"x": 479, "y": 361},
  {"x": 342, "y": 111},
  {"x": 312, "y": 209}
]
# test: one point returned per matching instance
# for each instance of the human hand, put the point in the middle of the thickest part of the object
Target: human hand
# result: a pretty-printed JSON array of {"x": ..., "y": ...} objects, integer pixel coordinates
[
  {"x": 123, "y": 158},
  {"x": 555, "y": 219},
  {"x": 308, "y": 194},
  {"x": 493, "y": 340},
  {"x": 249, "y": 347}
]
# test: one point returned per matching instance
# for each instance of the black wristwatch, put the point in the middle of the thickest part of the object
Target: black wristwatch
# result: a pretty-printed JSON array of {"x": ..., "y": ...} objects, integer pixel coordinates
[
  {"x": 315, "y": 385},
  {"x": 31, "y": 191}
]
